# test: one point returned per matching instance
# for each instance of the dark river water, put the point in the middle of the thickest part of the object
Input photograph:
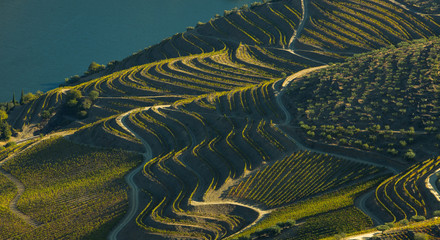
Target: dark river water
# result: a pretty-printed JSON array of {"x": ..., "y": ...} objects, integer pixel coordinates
[{"x": 44, "y": 41}]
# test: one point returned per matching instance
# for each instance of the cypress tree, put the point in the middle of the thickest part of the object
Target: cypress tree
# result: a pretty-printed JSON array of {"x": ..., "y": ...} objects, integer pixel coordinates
[
  {"x": 21, "y": 98},
  {"x": 13, "y": 98}
]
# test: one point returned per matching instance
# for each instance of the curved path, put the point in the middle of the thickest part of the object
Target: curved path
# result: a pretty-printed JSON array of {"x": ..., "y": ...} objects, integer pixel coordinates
[
  {"x": 20, "y": 190},
  {"x": 360, "y": 203},
  {"x": 13, "y": 204},
  {"x": 302, "y": 23},
  {"x": 134, "y": 192},
  {"x": 363, "y": 236},
  {"x": 278, "y": 95},
  {"x": 431, "y": 186},
  {"x": 261, "y": 213},
  {"x": 297, "y": 33}
]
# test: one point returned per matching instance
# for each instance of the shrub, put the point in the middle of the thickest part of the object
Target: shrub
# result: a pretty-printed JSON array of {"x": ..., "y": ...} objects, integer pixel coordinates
[
  {"x": 390, "y": 224},
  {"x": 404, "y": 222},
  {"x": 382, "y": 228},
  {"x": 9, "y": 144},
  {"x": 436, "y": 213},
  {"x": 72, "y": 103},
  {"x": 5, "y": 130},
  {"x": 82, "y": 114},
  {"x": 417, "y": 218},
  {"x": 74, "y": 94},
  {"x": 410, "y": 154},
  {"x": 3, "y": 115},
  {"x": 28, "y": 97},
  {"x": 86, "y": 104},
  {"x": 45, "y": 114},
  {"x": 272, "y": 231},
  {"x": 94, "y": 68},
  {"x": 93, "y": 95}
]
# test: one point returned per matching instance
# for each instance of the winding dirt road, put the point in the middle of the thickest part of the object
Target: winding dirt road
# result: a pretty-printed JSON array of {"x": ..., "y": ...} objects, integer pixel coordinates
[
  {"x": 261, "y": 213},
  {"x": 302, "y": 23},
  {"x": 20, "y": 190},
  {"x": 279, "y": 93},
  {"x": 13, "y": 204},
  {"x": 431, "y": 186},
  {"x": 134, "y": 189},
  {"x": 360, "y": 202}
]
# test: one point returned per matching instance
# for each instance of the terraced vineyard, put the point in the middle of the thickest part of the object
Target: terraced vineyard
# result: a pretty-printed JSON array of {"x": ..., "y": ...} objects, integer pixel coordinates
[
  {"x": 66, "y": 185},
  {"x": 244, "y": 47},
  {"x": 224, "y": 157},
  {"x": 404, "y": 195},
  {"x": 299, "y": 176},
  {"x": 200, "y": 161}
]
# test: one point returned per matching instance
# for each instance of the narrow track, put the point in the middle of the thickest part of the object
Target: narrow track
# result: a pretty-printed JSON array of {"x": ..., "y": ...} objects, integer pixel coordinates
[
  {"x": 431, "y": 186},
  {"x": 13, "y": 204},
  {"x": 360, "y": 203},
  {"x": 261, "y": 213},
  {"x": 297, "y": 33},
  {"x": 279, "y": 93},
  {"x": 134, "y": 192},
  {"x": 20, "y": 190}
]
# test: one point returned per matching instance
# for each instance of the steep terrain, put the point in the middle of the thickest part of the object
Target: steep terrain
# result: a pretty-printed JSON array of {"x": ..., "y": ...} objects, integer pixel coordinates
[{"x": 246, "y": 130}]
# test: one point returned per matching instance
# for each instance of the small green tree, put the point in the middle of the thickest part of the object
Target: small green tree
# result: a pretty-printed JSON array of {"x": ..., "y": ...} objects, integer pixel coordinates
[
  {"x": 7, "y": 133},
  {"x": 22, "y": 97},
  {"x": 74, "y": 94},
  {"x": 28, "y": 97},
  {"x": 93, "y": 95},
  {"x": 410, "y": 154},
  {"x": 3, "y": 115},
  {"x": 94, "y": 67},
  {"x": 86, "y": 104}
]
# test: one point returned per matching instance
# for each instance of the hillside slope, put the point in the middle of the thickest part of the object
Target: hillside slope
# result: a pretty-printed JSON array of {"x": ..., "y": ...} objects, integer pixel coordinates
[
  {"x": 246, "y": 46},
  {"x": 244, "y": 126},
  {"x": 383, "y": 102}
]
